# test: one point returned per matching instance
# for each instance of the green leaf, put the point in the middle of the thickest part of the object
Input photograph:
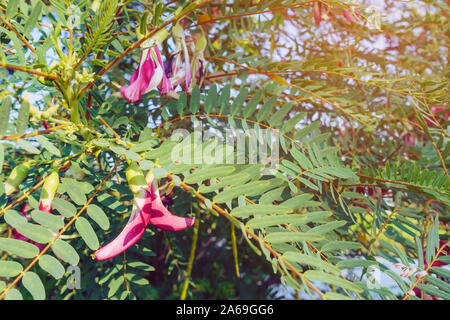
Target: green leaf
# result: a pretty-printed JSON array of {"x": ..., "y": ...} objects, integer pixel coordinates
[
  {"x": 66, "y": 252},
  {"x": 438, "y": 283},
  {"x": 310, "y": 260},
  {"x": 140, "y": 265},
  {"x": 249, "y": 189},
  {"x": 143, "y": 146},
  {"x": 114, "y": 285},
  {"x": 22, "y": 117},
  {"x": 297, "y": 201},
  {"x": 433, "y": 291},
  {"x": 251, "y": 105},
  {"x": 74, "y": 191},
  {"x": 4, "y": 114},
  {"x": 282, "y": 237},
  {"x": 181, "y": 103},
  {"x": 194, "y": 103},
  {"x": 234, "y": 179},
  {"x": 64, "y": 207},
  {"x": 315, "y": 275},
  {"x": 200, "y": 175},
  {"x": 277, "y": 119},
  {"x": 19, "y": 248},
  {"x": 302, "y": 160},
  {"x": 12, "y": 8},
  {"x": 266, "y": 109},
  {"x": 47, "y": 220},
  {"x": 87, "y": 233},
  {"x": 10, "y": 268},
  {"x": 13, "y": 294},
  {"x": 100, "y": 26},
  {"x": 353, "y": 263},
  {"x": 441, "y": 272},
  {"x": 290, "y": 124},
  {"x": 33, "y": 18},
  {"x": 268, "y": 221},
  {"x": 211, "y": 99},
  {"x": 98, "y": 215},
  {"x": 445, "y": 259},
  {"x": 401, "y": 283},
  {"x": 341, "y": 245},
  {"x": 325, "y": 228},
  {"x": 28, "y": 146},
  {"x": 34, "y": 232},
  {"x": 419, "y": 252},
  {"x": 13, "y": 218},
  {"x": 52, "y": 266},
  {"x": 48, "y": 145},
  {"x": 245, "y": 211},
  {"x": 18, "y": 46},
  {"x": 102, "y": 143},
  {"x": 224, "y": 98},
  {"x": 239, "y": 101},
  {"x": 137, "y": 279},
  {"x": 33, "y": 284},
  {"x": 132, "y": 155}
]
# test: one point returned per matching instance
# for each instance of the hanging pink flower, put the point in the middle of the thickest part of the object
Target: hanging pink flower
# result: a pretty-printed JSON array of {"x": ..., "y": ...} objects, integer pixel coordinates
[
  {"x": 161, "y": 217},
  {"x": 198, "y": 62},
  {"x": 435, "y": 110},
  {"x": 409, "y": 139},
  {"x": 147, "y": 77},
  {"x": 147, "y": 208},
  {"x": 317, "y": 14},
  {"x": 174, "y": 69},
  {"x": 351, "y": 16}
]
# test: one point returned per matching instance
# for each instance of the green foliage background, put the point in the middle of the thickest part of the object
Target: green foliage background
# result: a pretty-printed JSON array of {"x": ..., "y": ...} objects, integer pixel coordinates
[{"x": 363, "y": 156}]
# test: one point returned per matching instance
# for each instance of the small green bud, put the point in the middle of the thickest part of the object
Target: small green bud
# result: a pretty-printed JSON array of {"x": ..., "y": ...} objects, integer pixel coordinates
[
  {"x": 178, "y": 31},
  {"x": 50, "y": 185},
  {"x": 201, "y": 44},
  {"x": 135, "y": 177},
  {"x": 18, "y": 174}
]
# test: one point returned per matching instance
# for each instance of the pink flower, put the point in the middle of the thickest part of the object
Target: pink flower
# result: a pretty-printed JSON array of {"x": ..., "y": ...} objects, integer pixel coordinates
[
  {"x": 317, "y": 14},
  {"x": 408, "y": 139},
  {"x": 174, "y": 68},
  {"x": 147, "y": 208},
  {"x": 161, "y": 217},
  {"x": 351, "y": 15},
  {"x": 198, "y": 62},
  {"x": 147, "y": 77},
  {"x": 435, "y": 110}
]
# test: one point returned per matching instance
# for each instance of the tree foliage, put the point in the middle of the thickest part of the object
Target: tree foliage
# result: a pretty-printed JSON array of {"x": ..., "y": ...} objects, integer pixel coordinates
[{"x": 349, "y": 98}]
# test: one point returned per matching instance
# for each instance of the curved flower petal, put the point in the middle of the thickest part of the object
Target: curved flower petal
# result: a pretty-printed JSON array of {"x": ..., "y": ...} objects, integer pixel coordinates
[
  {"x": 140, "y": 79},
  {"x": 133, "y": 230},
  {"x": 163, "y": 218},
  {"x": 147, "y": 208}
]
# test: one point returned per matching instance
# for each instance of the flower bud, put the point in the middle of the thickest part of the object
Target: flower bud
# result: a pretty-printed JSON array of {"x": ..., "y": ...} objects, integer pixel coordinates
[
  {"x": 135, "y": 177},
  {"x": 18, "y": 174},
  {"x": 48, "y": 191},
  {"x": 201, "y": 44},
  {"x": 177, "y": 30}
]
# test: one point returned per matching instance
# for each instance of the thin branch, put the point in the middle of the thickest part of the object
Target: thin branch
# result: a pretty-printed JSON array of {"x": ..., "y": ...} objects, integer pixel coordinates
[
  {"x": 36, "y": 259},
  {"x": 28, "y": 70}
]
